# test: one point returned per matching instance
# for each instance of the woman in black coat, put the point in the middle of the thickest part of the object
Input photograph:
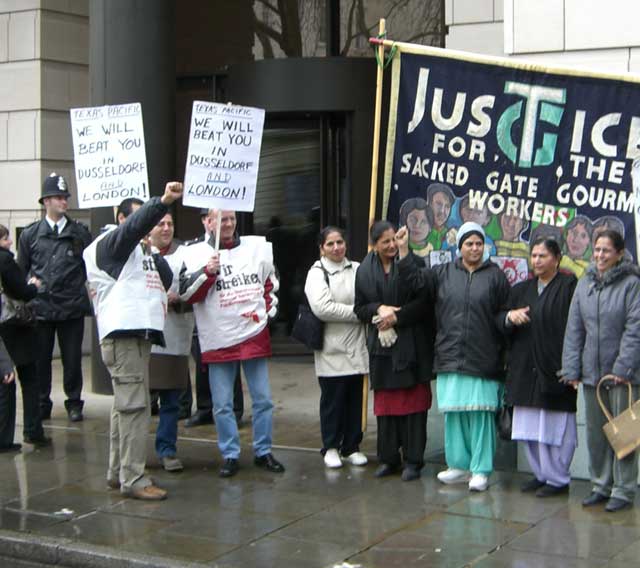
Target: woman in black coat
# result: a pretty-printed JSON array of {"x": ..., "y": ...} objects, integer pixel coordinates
[
  {"x": 21, "y": 343},
  {"x": 400, "y": 343},
  {"x": 544, "y": 416}
]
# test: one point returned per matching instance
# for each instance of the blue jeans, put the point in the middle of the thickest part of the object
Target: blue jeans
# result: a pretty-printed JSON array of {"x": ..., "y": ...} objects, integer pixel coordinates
[
  {"x": 221, "y": 379},
  {"x": 167, "y": 432}
]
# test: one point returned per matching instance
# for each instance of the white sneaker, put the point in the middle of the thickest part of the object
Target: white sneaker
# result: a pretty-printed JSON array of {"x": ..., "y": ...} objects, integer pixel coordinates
[
  {"x": 332, "y": 459},
  {"x": 479, "y": 482},
  {"x": 357, "y": 458},
  {"x": 451, "y": 476}
]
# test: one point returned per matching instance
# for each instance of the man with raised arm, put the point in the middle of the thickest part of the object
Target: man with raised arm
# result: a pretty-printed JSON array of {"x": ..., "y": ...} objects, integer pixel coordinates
[{"x": 128, "y": 283}]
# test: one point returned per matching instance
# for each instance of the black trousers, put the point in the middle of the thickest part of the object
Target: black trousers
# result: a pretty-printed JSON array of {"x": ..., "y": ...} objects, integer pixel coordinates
[
  {"x": 70, "y": 333},
  {"x": 341, "y": 413},
  {"x": 30, "y": 406},
  {"x": 407, "y": 432},
  {"x": 203, "y": 392}
]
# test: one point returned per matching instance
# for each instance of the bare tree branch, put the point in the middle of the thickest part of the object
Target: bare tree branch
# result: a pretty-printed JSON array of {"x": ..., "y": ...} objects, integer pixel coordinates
[
  {"x": 263, "y": 28},
  {"x": 393, "y": 7},
  {"x": 416, "y": 19},
  {"x": 269, "y": 5},
  {"x": 290, "y": 21},
  {"x": 267, "y": 48},
  {"x": 350, "y": 36}
]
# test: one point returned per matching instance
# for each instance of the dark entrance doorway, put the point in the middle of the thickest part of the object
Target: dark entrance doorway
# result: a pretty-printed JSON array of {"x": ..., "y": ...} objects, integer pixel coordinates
[
  {"x": 302, "y": 186},
  {"x": 315, "y": 160}
]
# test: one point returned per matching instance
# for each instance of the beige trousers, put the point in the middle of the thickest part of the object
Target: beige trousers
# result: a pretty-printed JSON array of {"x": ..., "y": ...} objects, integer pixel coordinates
[{"x": 127, "y": 360}]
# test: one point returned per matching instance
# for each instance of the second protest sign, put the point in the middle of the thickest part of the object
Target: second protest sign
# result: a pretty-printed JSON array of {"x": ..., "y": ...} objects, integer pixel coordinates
[{"x": 223, "y": 156}]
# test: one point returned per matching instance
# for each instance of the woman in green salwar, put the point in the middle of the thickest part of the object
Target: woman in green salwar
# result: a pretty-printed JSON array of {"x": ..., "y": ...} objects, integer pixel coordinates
[{"x": 471, "y": 299}]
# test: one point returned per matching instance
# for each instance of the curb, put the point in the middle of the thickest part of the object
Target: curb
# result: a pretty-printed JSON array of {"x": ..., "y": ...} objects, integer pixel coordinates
[{"x": 67, "y": 553}]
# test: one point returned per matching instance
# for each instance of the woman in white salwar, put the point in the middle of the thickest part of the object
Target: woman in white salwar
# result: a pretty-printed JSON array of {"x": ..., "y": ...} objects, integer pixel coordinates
[{"x": 544, "y": 414}]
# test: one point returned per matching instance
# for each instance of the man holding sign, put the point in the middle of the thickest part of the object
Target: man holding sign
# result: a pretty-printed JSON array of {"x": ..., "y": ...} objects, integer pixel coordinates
[
  {"x": 128, "y": 285},
  {"x": 233, "y": 293}
]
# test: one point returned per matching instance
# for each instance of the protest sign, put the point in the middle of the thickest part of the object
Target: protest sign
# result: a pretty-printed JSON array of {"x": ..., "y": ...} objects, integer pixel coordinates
[
  {"x": 223, "y": 156},
  {"x": 522, "y": 149},
  {"x": 109, "y": 153}
]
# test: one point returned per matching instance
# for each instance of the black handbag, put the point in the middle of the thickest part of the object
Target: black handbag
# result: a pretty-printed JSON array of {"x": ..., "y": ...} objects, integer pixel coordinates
[
  {"x": 308, "y": 328},
  {"x": 504, "y": 422},
  {"x": 15, "y": 312}
]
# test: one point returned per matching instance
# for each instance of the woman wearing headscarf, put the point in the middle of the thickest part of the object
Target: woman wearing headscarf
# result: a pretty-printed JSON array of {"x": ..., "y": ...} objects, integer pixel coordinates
[
  {"x": 471, "y": 300},
  {"x": 603, "y": 338},
  {"x": 400, "y": 344},
  {"x": 343, "y": 360},
  {"x": 544, "y": 409}
]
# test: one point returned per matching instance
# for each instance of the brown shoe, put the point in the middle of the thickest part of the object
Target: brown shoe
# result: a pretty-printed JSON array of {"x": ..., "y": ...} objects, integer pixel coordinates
[
  {"x": 113, "y": 484},
  {"x": 148, "y": 493}
]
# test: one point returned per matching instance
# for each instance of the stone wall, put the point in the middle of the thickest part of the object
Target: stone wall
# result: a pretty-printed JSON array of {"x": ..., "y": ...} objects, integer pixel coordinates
[{"x": 44, "y": 55}]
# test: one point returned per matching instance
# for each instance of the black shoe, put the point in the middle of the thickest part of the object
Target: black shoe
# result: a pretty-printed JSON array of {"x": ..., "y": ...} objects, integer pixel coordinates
[
  {"x": 45, "y": 414},
  {"x": 269, "y": 463},
  {"x": 10, "y": 448},
  {"x": 614, "y": 504},
  {"x": 532, "y": 485},
  {"x": 155, "y": 409},
  {"x": 552, "y": 490},
  {"x": 184, "y": 414},
  {"x": 199, "y": 418},
  {"x": 75, "y": 415},
  {"x": 38, "y": 442},
  {"x": 385, "y": 469},
  {"x": 410, "y": 472},
  {"x": 229, "y": 468},
  {"x": 594, "y": 499}
]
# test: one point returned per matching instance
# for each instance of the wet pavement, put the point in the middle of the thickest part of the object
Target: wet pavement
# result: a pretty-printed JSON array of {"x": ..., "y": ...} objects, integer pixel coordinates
[{"x": 55, "y": 508}]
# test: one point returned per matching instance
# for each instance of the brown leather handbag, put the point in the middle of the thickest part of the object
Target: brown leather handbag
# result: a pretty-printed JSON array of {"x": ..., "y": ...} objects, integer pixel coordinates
[{"x": 623, "y": 431}]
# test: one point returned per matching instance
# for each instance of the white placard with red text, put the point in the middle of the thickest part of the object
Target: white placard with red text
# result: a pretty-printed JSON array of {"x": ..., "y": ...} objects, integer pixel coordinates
[
  {"x": 223, "y": 156},
  {"x": 109, "y": 154}
]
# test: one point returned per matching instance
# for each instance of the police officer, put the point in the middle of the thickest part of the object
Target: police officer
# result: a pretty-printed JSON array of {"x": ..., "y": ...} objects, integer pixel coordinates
[{"x": 51, "y": 250}]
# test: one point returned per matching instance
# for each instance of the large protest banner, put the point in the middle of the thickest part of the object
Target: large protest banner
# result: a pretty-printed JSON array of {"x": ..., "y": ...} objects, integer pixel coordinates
[
  {"x": 522, "y": 149},
  {"x": 109, "y": 153},
  {"x": 223, "y": 156}
]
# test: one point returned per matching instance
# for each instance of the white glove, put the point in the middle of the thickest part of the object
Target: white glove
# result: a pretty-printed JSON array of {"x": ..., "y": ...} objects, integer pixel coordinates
[{"x": 387, "y": 337}]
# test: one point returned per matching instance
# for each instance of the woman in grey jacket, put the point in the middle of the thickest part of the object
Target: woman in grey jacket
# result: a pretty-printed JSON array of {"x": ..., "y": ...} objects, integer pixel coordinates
[
  {"x": 603, "y": 338},
  {"x": 340, "y": 366}
]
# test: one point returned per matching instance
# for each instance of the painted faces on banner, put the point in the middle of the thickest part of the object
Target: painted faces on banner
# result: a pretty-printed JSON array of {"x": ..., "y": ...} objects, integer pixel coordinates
[
  {"x": 418, "y": 217},
  {"x": 515, "y": 148}
]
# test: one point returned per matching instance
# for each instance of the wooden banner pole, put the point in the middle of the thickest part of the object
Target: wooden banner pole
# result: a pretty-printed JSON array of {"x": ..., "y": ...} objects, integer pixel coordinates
[
  {"x": 373, "y": 196},
  {"x": 218, "y": 223}
]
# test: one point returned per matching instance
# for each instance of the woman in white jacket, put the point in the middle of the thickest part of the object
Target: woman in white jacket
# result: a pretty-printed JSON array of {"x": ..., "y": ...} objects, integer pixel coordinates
[{"x": 340, "y": 366}]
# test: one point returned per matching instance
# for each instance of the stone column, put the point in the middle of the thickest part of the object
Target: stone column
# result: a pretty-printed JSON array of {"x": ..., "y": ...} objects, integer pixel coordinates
[{"x": 132, "y": 59}]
